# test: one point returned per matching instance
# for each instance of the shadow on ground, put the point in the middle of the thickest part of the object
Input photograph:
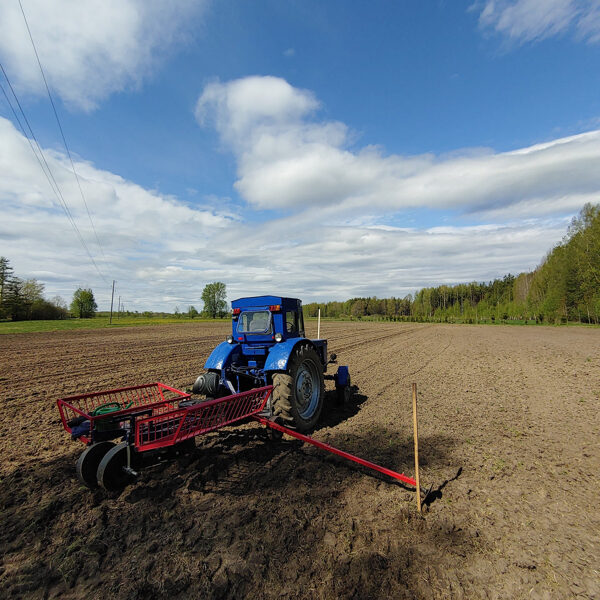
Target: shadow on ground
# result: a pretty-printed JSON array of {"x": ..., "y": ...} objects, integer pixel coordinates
[
  {"x": 238, "y": 516},
  {"x": 333, "y": 413}
]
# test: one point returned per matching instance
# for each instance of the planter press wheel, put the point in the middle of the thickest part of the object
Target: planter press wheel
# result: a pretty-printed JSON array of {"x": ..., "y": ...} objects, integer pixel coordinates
[
  {"x": 274, "y": 434},
  {"x": 110, "y": 474},
  {"x": 89, "y": 461}
]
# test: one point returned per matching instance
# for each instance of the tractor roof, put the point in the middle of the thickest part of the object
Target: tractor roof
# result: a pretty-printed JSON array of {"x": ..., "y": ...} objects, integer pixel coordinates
[{"x": 266, "y": 301}]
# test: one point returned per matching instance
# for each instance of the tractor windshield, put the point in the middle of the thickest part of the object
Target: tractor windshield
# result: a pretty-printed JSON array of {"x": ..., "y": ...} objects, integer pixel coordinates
[{"x": 254, "y": 321}]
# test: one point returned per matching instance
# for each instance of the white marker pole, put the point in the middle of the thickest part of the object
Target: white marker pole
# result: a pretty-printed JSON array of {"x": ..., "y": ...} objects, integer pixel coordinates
[{"x": 319, "y": 326}]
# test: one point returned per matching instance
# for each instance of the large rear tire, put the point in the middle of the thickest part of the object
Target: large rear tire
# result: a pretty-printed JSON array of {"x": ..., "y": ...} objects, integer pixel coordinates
[{"x": 298, "y": 394}]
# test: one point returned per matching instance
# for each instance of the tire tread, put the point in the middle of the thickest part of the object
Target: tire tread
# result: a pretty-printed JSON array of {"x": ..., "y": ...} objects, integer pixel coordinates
[{"x": 283, "y": 390}]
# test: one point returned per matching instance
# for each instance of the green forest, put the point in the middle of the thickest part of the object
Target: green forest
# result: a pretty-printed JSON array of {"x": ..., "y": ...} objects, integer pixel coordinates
[
  {"x": 564, "y": 288},
  {"x": 23, "y": 299}
]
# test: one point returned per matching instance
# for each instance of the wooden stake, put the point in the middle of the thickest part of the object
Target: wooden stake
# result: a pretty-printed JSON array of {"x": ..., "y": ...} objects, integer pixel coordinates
[{"x": 416, "y": 432}]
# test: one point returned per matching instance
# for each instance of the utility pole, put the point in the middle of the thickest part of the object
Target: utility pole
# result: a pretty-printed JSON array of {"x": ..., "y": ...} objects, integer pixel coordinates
[
  {"x": 119, "y": 308},
  {"x": 111, "y": 302}
]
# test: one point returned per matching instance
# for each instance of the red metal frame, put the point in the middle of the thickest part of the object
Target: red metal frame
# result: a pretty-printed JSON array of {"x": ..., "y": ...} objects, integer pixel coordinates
[
  {"x": 156, "y": 396},
  {"x": 328, "y": 448},
  {"x": 169, "y": 425},
  {"x": 176, "y": 426}
]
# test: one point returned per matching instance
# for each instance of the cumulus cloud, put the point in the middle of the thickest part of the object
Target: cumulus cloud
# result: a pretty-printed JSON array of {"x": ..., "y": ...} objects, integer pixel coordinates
[
  {"x": 338, "y": 221},
  {"x": 138, "y": 229},
  {"x": 532, "y": 20},
  {"x": 240, "y": 107},
  {"x": 289, "y": 160},
  {"x": 92, "y": 48}
]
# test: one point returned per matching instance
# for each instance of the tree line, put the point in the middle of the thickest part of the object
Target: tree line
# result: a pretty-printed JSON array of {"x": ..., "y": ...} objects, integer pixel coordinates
[
  {"x": 565, "y": 287},
  {"x": 23, "y": 299}
]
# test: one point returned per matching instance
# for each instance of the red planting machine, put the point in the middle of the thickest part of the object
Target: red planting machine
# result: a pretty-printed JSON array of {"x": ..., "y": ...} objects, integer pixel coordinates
[{"x": 266, "y": 371}]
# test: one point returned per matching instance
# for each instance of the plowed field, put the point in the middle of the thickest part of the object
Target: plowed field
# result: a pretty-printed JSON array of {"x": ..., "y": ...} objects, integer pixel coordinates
[{"x": 509, "y": 424}]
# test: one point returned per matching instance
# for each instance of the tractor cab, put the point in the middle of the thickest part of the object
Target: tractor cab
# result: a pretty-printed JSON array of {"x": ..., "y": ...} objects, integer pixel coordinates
[
  {"x": 266, "y": 320},
  {"x": 261, "y": 322}
]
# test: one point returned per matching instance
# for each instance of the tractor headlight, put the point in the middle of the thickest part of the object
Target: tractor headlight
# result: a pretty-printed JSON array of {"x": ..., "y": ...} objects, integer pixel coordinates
[
  {"x": 278, "y": 337},
  {"x": 229, "y": 339}
]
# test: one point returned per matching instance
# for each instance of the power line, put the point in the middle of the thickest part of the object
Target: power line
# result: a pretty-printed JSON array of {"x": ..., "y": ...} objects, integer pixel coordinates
[
  {"x": 35, "y": 153},
  {"x": 61, "y": 131},
  {"x": 47, "y": 171}
]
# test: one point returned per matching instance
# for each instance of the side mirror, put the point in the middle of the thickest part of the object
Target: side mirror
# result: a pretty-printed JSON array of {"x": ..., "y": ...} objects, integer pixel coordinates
[{"x": 332, "y": 357}]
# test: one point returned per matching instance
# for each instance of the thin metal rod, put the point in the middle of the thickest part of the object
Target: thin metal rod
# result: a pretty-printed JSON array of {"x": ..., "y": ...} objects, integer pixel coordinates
[
  {"x": 416, "y": 431},
  {"x": 328, "y": 448},
  {"x": 319, "y": 326}
]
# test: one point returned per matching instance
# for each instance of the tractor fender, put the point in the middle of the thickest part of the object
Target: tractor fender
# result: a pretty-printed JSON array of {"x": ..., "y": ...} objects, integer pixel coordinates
[
  {"x": 278, "y": 357},
  {"x": 221, "y": 356}
]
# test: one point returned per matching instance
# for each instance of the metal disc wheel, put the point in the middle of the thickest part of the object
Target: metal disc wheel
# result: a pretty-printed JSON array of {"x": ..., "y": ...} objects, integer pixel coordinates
[
  {"x": 89, "y": 461},
  {"x": 298, "y": 394},
  {"x": 308, "y": 389},
  {"x": 110, "y": 474}
]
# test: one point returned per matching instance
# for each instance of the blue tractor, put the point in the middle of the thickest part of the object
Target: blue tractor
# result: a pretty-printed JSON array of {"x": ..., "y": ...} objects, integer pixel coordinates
[{"x": 267, "y": 346}]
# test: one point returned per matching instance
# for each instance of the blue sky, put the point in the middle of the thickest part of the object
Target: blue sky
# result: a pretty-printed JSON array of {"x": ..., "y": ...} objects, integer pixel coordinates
[{"x": 324, "y": 150}]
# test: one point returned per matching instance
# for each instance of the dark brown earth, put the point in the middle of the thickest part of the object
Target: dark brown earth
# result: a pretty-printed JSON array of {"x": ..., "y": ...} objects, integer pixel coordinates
[{"x": 509, "y": 424}]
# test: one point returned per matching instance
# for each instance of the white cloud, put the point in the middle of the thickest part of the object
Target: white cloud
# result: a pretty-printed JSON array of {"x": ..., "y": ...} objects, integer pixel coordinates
[
  {"x": 342, "y": 221},
  {"x": 142, "y": 233},
  {"x": 532, "y": 20},
  {"x": 239, "y": 107},
  {"x": 288, "y": 160},
  {"x": 91, "y": 48}
]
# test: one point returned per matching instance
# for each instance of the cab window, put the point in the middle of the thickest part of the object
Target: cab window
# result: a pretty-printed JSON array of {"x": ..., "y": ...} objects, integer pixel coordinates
[
  {"x": 255, "y": 321},
  {"x": 291, "y": 322}
]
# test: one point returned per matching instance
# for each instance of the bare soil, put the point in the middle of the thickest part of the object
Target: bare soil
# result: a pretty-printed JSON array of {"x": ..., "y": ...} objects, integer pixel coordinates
[{"x": 509, "y": 423}]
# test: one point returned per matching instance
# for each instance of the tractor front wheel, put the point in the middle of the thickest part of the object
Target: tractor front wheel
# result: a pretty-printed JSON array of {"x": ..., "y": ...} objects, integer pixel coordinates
[{"x": 298, "y": 394}]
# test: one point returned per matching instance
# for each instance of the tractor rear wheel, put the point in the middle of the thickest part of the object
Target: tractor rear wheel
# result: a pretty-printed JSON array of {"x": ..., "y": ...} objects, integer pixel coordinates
[{"x": 298, "y": 394}]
